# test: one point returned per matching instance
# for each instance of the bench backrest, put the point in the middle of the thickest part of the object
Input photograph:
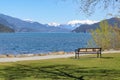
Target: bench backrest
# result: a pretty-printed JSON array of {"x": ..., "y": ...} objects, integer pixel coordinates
[{"x": 89, "y": 49}]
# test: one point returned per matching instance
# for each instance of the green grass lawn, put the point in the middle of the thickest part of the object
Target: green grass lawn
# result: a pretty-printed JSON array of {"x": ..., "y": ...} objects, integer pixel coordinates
[{"x": 85, "y": 68}]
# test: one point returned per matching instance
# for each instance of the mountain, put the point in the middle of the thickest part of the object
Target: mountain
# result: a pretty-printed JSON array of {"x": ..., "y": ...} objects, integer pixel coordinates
[
  {"x": 65, "y": 26},
  {"x": 19, "y": 25},
  {"x": 26, "y": 26},
  {"x": 88, "y": 27},
  {"x": 5, "y": 26},
  {"x": 71, "y": 25}
]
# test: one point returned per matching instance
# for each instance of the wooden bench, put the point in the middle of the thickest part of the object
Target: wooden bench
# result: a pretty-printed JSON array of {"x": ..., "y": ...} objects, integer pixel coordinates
[{"x": 88, "y": 51}]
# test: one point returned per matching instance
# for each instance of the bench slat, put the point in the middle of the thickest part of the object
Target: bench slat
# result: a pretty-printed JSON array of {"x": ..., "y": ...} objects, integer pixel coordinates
[{"x": 88, "y": 51}]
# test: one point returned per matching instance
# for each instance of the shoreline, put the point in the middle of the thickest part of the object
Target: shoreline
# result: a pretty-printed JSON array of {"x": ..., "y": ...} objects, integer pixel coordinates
[
  {"x": 35, "y": 58},
  {"x": 32, "y": 54},
  {"x": 53, "y": 55}
]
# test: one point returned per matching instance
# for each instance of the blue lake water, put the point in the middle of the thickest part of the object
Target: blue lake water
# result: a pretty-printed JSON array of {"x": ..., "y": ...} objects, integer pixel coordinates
[{"x": 41, "y": 42}]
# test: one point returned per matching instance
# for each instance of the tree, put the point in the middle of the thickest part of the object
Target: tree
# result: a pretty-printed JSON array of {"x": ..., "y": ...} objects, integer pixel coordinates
[
  {"x": 106, "y": 36},
  {"x": 89, "y": 6}
]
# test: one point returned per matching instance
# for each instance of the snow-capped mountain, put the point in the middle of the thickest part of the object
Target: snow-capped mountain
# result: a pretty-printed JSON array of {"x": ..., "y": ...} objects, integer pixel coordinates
[
  {"x": 72, "y": 24},
  {"x": 19, "y": 25},
  {"x": 54, "y": 24},
  {"x": 82, "y": 22},
  {"x": 29, "y": 20},
  {"x": 27, "y": 25},
  {"x": 87, "y": 27}
]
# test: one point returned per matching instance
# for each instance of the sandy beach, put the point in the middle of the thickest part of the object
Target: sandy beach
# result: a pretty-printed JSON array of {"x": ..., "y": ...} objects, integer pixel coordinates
[{"x": 15, "y": 59}]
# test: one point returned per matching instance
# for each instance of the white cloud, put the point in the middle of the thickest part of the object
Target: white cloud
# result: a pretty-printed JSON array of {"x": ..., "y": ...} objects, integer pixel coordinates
[{"x": 82, "y": 22}]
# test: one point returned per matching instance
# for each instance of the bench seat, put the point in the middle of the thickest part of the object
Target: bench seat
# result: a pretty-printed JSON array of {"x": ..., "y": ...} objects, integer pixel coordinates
[{"x": 88, "y": 51}]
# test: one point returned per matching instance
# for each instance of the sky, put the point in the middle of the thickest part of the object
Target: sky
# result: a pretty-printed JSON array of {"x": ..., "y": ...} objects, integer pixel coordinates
[{"x": 47, "y": 11}]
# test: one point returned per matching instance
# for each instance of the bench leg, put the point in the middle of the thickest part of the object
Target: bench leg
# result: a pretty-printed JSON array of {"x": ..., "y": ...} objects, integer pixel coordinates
[
  {"x": 97, "y": 55},
  {"x": 78, "y": 56},
  {"x": 75, "y": 56},
  {"x": 100, "y": 55}
]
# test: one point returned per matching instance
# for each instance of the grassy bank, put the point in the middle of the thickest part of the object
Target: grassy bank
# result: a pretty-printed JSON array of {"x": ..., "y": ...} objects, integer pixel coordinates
[{"x": 85, "y": 68}]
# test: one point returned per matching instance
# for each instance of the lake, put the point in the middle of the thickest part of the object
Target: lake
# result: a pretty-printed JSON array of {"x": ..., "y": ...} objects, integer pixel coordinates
[{"x": 18, "y": 43}]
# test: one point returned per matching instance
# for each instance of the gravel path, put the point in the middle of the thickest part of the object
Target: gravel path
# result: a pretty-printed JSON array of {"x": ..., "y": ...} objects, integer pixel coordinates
[
  {"x": 45, "y": 57},
  {"x": 35, "y": 58}
]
